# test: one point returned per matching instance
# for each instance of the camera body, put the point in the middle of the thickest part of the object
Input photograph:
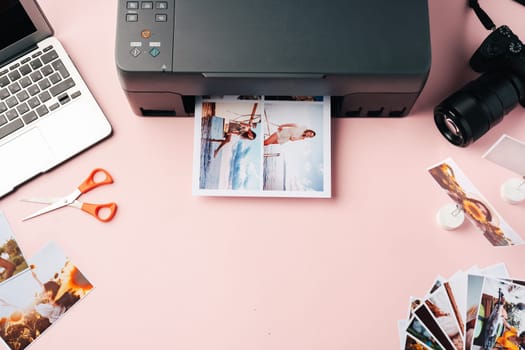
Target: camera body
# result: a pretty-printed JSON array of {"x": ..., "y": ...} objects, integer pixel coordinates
[
  {"x": 473, "y": 110},
  {"x": 501, "y": 51}
]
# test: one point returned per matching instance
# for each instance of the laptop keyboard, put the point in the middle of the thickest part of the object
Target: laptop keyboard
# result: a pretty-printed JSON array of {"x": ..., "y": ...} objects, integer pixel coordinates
[{"x": 32, "y": 88}]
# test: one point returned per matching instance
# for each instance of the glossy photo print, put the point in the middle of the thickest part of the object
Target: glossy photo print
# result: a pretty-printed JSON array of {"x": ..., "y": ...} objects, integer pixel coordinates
[
  {"x": 508, "y": 153},
  {"x": 500, "y": 321},
  {"x": 12, "y": 261},
  {"x": 262, "y": 146},
  {"x": 229, "y": 157},
  {"x": 439, "y": 304},
  {"x": 297, "y": 146},
  {"x": 39, "y": 296},
  {"x": 476, "y": 208},
  {"x": 417, "y": 330}
]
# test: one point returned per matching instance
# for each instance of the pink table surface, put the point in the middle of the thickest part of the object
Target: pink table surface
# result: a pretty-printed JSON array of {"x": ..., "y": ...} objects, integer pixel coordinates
[{"x": 173, "y": 272}]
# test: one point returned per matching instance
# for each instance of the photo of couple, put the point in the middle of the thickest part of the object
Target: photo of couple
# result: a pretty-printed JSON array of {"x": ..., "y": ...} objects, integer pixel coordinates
[
  {"x": 262, "y": 146},
  {"x": 36, "y": 298}
]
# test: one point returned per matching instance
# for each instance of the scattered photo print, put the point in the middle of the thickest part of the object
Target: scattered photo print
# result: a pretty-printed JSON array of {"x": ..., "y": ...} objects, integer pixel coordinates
[
  {"x": 417, "y": 330},
  {"x": 500, "y": 321},
  {"x": 441, "y": 308},
  {"x": 262, "y": 146},
  {"x": 413, "y": 344},
  {"x": 476, "y": 208},
  {"x": 12, "y": 261},
  {"x": 454, "y": 315},
  {"x": 425, "y": 316},
  {"x": 38, "y": 297},
  {"x": 508, "y": 153}
]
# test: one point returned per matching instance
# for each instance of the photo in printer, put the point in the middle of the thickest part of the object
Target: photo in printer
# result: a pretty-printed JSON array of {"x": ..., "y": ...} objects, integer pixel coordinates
[
  {"x": 228, "y": 156},
  {"x": 251, "y": 146}
]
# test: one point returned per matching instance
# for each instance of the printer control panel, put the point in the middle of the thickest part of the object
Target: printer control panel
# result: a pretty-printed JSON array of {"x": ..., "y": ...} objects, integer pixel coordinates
[{"x": 145, "y": 35}]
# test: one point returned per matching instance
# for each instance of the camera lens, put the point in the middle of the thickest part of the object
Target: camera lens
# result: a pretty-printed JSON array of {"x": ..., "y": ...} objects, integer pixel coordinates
[{"x": 469, "y": 113}]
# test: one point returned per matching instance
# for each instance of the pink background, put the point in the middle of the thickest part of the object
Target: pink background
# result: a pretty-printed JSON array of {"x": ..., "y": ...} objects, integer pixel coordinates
[{"x": 175, "y": 271}]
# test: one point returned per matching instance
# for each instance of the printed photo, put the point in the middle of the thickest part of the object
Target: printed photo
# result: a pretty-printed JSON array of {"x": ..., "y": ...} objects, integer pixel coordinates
[
  {"x": 413, "y": 344},
  {"x": 425, "y": 316},
  {"x": 441, "y": 308},
  {"x": 476, "y": 208},
  {"x": 12, "y": 261},
  {"x": 38, "y": 297},
  {"x": 500, "y": 321},
  {"x": 508, "y": 153},
  {"x": 417, "y": 330},
  {"x": 297, "y": 146},
  {"x": 230, "y": 150},
  {"x": 262, "y": 146}
]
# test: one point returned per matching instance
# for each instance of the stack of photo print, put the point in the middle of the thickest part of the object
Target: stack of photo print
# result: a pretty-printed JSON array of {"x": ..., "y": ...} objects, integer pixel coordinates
[
  {"x": 34, "y": 293},
  {"x": 481, "y": 308}
]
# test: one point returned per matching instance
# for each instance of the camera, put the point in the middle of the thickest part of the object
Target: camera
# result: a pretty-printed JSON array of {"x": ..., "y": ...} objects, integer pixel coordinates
[{"x": 470, "y": 112}]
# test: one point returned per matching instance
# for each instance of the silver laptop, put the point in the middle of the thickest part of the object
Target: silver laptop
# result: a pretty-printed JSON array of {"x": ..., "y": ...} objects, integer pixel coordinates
[{"x": 47, "y": 113}]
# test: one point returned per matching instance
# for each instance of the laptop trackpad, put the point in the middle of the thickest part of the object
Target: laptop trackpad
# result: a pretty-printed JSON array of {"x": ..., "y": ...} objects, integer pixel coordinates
[{"x": 22, "y": 158}]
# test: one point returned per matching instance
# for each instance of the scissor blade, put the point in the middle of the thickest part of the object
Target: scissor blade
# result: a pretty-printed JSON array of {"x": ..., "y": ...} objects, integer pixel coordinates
[
  {"x": 54, "y": 206},
  {"x": 41, "y": 200}
]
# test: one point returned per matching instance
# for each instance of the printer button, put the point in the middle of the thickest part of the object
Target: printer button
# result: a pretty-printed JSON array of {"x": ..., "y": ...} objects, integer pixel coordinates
[
  {"x": 154, "y": 52},
  {"x": 161, "y": 17},
  {"x": 161, "y": 5},
  {"x": 135, "y": 52},
  {"x": 146, "y": 34},
  {"x": 132, "y": 5},
  {"x": 147, "y": 5},
  {"x": 132, "y": 17}
]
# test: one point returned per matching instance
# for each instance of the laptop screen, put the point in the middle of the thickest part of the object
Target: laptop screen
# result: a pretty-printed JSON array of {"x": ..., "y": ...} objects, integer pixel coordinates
[{"x": 14, "y": 23}]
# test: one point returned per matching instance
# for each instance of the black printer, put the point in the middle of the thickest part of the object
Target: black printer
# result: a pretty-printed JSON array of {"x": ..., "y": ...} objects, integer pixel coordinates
[{"x": 371, "y": 56}]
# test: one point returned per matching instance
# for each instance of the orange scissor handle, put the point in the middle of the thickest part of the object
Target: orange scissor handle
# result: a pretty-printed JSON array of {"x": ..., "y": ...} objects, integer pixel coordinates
[
  {"x": 94, "y": 180},
  {"x": 108, "y": 210}
]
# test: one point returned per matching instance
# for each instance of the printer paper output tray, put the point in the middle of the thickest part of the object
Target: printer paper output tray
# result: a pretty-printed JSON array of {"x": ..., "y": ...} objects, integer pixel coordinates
[{"x": 371, "y": 56}]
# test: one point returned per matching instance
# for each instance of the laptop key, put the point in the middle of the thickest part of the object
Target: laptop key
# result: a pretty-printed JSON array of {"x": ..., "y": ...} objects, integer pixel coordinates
[
  {"x": 42, "y": 110},
  {"x": 49, "y": 56},
  {"x": 33, "y": 90},
  {"x": 3, "y": 107},
  {"x": 4, "y": 93},
  {"x": 25, "y": 82},
  {"x": 3, "y": 120},
  {"x": 46, "y": 70},
  {"x": 10, "y": 128},
  {"x": 44, "y": 96},
  {"x": 14, "y": 75},
  {"x": 33, "y": 102},
  {"x": 55, "y": 78},
  {"x": 11, "y": 114},
  {"x": 36, "y": 76},
  {"x": 22, "y": 96},
  {"x": 23, "y": 108},
  {"x": 29, "y": 117},
  {"x": 14, "y": 88},
  {"x": 36, "y": 63},
  {"x": 4, "y": 81},
  {"x": 54, "y": 106},
  {"x": 59, "y": 66},
  {"x": 25, "y": 69},
  {"x": 11, "y": 102},
  {"x": 61, "y": 87},
  {"x": 44, "y": 84}
]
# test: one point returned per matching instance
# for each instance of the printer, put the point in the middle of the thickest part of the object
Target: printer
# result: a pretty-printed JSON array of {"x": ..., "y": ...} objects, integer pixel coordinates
[{"x": 371, "y": 56}]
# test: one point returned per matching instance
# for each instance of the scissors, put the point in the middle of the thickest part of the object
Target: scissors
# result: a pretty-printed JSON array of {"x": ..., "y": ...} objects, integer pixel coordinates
[{"x": 103, "y": 212}]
